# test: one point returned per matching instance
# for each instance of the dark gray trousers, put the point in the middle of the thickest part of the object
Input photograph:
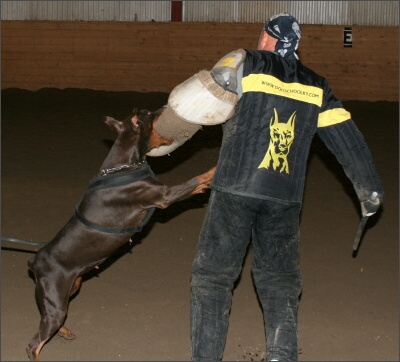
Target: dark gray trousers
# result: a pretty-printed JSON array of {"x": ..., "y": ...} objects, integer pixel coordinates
[{"x": 231, "y": 222}]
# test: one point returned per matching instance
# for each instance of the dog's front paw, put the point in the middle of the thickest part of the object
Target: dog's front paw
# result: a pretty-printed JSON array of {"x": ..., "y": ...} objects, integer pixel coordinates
[{"x": 204, "y": 181}]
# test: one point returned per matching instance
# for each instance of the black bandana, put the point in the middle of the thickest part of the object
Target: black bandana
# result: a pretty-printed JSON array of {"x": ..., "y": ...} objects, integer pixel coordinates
[{"x": 286, "y": 29}]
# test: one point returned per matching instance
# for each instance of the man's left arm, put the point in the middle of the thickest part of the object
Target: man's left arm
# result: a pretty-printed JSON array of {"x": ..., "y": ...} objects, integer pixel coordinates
[{"x": 342, "y": 137}]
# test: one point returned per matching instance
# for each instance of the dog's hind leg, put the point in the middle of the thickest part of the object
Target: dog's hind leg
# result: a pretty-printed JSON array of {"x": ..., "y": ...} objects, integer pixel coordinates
[
  {"x": 34, "y": 346},
  {"x": 53, "y": 305},
  {"x": 64, "y": 331}
]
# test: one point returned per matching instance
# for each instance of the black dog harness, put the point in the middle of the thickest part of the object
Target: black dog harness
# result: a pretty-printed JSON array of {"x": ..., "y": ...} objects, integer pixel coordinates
[{"x": 115, "y": 180}]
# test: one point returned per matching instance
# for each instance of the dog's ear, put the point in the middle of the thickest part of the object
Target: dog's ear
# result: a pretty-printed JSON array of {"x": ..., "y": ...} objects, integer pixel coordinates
[
  {"x": 135, "y": 123},
  {"x": 135, "y": 120},
  {"x": 113, "y": 123}
]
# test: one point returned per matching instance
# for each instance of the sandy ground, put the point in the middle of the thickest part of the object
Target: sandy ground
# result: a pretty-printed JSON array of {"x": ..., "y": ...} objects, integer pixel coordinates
[{"x": 136, "y": 308}]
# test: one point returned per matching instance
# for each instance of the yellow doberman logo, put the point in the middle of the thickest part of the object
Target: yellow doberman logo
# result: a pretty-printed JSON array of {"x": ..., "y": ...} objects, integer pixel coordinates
[{"x": 282, "y": 136}]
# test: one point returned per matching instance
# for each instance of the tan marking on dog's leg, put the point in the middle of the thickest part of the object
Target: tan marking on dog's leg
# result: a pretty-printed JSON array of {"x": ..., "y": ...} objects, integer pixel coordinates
[
  {"x": 36, "y": 353},
  {"x": 75, "y": 287},
  {"x": 66, "y": 333}
]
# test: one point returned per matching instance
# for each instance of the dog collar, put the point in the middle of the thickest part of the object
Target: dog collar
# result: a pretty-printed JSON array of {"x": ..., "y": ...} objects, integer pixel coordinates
[
  {"x": 106, "y": 171},
  {"x": 121, "y": 178}
]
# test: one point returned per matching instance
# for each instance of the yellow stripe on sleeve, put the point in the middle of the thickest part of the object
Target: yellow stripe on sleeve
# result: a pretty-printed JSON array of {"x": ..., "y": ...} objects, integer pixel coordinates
[{"x": 333, "y": 116}]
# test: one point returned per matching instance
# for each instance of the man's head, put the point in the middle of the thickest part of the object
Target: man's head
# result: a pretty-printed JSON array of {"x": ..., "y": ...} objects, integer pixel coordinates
[{"x": 281, "y": 34}]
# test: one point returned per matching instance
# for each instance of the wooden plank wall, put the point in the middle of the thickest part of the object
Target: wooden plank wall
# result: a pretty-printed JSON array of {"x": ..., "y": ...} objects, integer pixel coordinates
[{"x": 154, "y": 57}]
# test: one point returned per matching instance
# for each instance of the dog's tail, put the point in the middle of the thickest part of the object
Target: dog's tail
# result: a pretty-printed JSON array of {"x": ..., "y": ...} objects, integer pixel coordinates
[{"x": 13, "y": 241}]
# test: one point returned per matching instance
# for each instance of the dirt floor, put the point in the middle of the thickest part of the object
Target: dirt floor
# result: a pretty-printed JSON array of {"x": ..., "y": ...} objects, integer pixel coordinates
[{"x": 136, "y": 308}]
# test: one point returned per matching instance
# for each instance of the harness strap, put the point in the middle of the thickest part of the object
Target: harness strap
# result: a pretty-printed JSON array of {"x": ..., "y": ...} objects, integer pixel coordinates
[
  {"x": 108, "y": 230},
  {"x": 115, "y": 180}
]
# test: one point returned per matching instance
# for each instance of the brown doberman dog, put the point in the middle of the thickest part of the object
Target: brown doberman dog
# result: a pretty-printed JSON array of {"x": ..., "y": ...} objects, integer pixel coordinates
[{"x": 116, "y": 204}]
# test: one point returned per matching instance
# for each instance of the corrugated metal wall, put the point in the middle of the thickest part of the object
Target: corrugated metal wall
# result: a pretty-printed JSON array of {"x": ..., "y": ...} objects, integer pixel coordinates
[
  {"x": 368, "y": 13},
  {"x": 86, "y": 10}
]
